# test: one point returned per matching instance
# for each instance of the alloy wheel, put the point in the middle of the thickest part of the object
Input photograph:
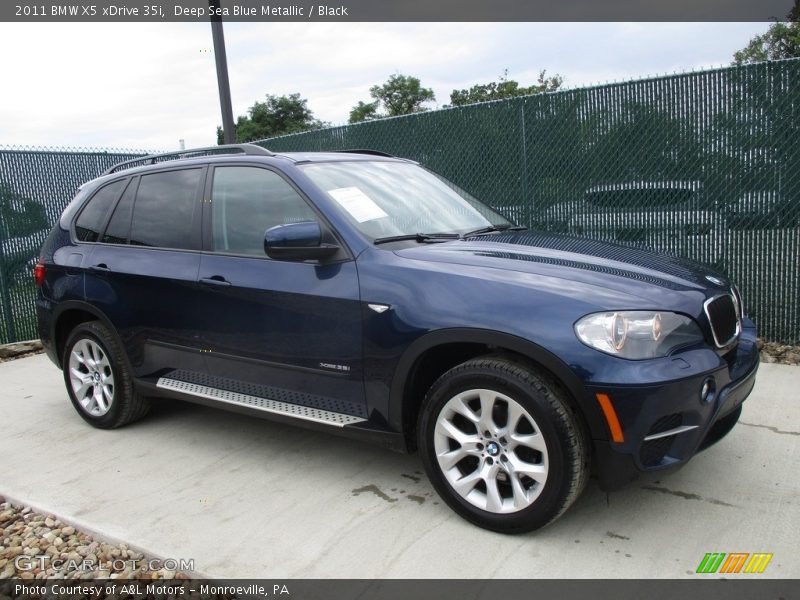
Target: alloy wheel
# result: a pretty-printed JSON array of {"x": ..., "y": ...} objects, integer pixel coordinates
[
  {"x": 491, "y": 451},
  {"x": 91, "y": 377}
]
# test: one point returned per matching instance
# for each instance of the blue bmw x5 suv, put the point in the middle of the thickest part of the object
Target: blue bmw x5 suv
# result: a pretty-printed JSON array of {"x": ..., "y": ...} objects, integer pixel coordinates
[{"x": 362, "y": 294}]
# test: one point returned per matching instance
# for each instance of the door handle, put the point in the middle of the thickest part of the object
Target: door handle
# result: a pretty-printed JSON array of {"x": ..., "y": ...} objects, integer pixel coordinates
[
  {"x": 216, "y": 281},
  {"x": 102, "y": 267}
]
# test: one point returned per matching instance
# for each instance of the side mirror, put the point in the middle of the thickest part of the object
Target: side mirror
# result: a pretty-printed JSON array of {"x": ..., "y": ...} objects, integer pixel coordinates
[{"x": 297, "y": 241}]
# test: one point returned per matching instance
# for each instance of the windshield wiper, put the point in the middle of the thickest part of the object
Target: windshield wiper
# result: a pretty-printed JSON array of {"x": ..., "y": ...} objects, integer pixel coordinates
[
  {"x": 437, "y": 237},
  {"x": 494, "y": 228},
  {"x": 419, "y": 237}
]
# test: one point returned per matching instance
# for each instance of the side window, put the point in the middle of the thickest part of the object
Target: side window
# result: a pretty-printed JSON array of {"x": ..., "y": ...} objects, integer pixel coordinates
[
  {"x": 93, "y": 216},
  {"x": 164, "y": 211},
  {"x": 119, "y": 226},
  {"x": 246, "y": 201}
]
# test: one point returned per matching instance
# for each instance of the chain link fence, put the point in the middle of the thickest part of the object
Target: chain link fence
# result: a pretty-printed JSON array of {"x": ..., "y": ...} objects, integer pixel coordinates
[
  {"x": 703, "y": 164},
  {"x": 35, "y": 186}
]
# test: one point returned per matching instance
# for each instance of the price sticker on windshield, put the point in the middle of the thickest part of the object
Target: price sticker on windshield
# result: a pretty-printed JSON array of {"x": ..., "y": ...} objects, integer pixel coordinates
[{"x": 360, "y": 206}]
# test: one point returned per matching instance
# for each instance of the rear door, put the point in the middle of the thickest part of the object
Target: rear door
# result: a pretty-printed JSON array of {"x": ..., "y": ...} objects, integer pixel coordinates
[
  {"x": 142, "y": 272},
  {"x": 287, "y": 331}
]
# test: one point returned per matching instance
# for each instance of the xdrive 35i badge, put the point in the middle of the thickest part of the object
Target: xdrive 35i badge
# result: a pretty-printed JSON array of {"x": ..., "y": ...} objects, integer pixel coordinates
[{"x": 334, "y": 367}]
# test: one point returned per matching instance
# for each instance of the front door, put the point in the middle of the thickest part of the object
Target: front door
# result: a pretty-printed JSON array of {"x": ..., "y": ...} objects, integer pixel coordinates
[{"x": 286, "y": 331}]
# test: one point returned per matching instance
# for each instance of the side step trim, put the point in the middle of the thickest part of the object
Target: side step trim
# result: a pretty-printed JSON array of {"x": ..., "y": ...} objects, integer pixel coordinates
[
  {"x": 669, "y": 432},
  {"x": 295, "y": 411}
]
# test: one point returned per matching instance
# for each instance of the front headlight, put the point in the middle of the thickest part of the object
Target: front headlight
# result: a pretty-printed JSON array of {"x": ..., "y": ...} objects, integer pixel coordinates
[{"x": 637, "y": 334}]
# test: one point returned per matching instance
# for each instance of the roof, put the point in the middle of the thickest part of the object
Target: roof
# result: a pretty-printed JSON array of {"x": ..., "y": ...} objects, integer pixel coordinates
[
  {"x": 306, "y": 157},
  {"x": 238, "y": 151}
]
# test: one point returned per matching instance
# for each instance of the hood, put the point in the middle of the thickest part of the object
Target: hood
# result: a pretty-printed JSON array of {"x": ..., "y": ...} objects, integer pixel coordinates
[{"x": 594, "y": 262}]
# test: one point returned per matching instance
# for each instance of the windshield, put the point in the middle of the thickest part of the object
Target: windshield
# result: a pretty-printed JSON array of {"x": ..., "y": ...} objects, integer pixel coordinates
[{"x": 386, "y": 199}]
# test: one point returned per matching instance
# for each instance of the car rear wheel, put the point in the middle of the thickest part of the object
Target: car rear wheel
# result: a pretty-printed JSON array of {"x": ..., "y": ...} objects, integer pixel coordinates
[
  {"x": 98, "y": 379},
  {"x": 503, "y": 445}
]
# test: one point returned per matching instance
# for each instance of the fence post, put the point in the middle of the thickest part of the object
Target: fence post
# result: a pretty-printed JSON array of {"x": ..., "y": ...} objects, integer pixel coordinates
[{"x": 527, "y": 202}]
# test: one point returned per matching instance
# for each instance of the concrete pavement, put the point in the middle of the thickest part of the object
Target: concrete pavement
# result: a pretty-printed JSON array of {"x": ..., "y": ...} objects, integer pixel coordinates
[{"x": 248, "y": 498}]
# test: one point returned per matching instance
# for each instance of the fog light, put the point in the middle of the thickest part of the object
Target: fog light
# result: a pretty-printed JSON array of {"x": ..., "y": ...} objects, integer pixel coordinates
[{"x": 707, "y": 391}]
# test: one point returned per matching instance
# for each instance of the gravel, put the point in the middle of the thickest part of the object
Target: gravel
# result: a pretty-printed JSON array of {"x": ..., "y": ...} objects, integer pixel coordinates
[
  {"x": 20, "y": 350},
  {"x": 35, "y": 546},
  {"x": 773, "y": 352}
]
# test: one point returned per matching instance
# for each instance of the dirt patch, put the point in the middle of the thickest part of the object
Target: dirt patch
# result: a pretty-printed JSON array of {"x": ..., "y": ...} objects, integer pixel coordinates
[
  {"x": 374, "y": 489},
  {"x": 20, "y": 350},
  {"x": 773, "y": 352}
]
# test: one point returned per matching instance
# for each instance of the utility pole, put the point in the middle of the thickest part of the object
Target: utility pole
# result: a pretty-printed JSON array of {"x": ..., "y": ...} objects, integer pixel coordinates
[{"x": 221, "y": 58}]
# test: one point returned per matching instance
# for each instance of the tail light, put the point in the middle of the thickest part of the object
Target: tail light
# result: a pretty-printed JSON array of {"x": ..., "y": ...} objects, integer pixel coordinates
[{"x": 38, "y": 273}]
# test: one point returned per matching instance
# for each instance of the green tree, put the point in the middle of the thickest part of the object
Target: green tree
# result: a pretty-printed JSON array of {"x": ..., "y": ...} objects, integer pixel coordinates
[
  {"x": 19, "y": 216},
  {"x": 364, "y": 111},
  {"x": 504, "y": 88},
  {"x": 24, "y": 222},
  {"x": 277, "y": 115},
  {"x": 781, "y": 40},
  {"x": 400, "y": 95}
]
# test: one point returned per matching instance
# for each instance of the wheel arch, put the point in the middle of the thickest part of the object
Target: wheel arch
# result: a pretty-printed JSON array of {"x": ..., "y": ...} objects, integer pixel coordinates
[
  {"x": 71, "y": 314},
  {"x": 436, "y": 352}
]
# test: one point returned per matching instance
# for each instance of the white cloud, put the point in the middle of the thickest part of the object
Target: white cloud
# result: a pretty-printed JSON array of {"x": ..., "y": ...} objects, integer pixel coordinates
[
  {"x": 123, "y": 84},
  {"x": 146, "y": 86}
]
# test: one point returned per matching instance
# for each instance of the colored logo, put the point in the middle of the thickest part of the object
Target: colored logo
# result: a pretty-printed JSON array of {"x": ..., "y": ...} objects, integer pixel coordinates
[{"x": 734, "y": 562}]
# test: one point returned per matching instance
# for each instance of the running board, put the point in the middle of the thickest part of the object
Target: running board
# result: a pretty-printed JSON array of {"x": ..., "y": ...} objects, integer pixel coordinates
[{"x": 295, "y": 411}]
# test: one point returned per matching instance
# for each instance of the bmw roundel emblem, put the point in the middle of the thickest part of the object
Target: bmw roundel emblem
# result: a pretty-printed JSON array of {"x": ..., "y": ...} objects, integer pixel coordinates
[{"x": 715, "y": 280}]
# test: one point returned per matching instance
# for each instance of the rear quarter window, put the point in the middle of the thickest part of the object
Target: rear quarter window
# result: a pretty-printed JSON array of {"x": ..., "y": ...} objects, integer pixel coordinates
[
  {"x": 119, "y": 225},
  {"x": 93, "y": 215}
]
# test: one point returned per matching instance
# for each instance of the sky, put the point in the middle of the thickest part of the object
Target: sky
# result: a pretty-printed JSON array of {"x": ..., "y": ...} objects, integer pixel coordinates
[{"x": 147, "y": 86}]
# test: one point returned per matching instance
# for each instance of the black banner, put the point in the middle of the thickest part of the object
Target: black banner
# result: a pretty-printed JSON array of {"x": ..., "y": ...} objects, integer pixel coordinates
[
  {"x": 154, "y": 11},
  {"x": 394, "y": 589}
]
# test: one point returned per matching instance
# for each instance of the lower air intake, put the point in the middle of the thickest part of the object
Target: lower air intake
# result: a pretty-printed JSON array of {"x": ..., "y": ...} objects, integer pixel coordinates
[{"x": 653, "y": 452}]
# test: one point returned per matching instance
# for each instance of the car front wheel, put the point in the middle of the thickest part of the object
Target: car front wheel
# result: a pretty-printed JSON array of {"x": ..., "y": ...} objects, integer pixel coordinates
[{"x": 502, "y": 444}]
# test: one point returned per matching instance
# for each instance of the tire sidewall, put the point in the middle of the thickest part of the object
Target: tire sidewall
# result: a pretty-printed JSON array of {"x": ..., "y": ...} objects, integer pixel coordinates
[
  {"x": 94, "y": 332},
  {"x": 549, "y": 502}
]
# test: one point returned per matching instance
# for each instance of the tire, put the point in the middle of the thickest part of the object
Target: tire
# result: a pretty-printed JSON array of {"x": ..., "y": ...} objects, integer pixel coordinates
[
  {"x": 533, "y": 464},
  {"x": 98, "y": 379}
]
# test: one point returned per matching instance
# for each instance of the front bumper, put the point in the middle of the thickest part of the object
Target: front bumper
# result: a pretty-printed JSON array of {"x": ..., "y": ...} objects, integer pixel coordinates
[{"x": 665, "y": 424}]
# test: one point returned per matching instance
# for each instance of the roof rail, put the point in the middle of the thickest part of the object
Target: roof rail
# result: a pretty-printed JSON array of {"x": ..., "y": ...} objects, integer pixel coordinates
[
  {"x": 248, "y": 149},
  {"x": 367, "y": 151}
]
